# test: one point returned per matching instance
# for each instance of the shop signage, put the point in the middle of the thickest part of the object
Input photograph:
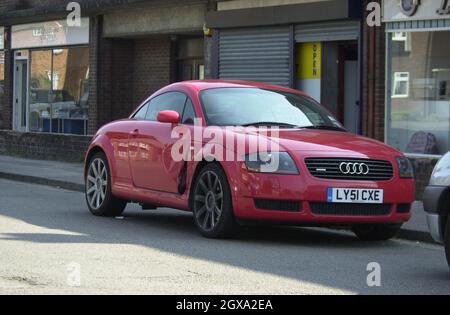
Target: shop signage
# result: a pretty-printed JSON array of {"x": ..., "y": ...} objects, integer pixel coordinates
[
  {"x": 49, "y": 34},
  {"x": 309, "y": 68},
  {"x": 401, "y": 10},
  {"x": 309, "y": 60}
]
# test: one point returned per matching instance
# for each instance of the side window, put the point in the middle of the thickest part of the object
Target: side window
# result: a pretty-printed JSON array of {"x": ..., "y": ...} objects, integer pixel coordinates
[
  {"x": 168, "y": 101},
  {"x": 189, "y": 113},
  {"x": 140, "y": 115}
]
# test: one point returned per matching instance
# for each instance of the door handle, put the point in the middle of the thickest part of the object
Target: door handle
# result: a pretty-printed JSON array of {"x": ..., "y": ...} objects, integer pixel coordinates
[{"x": 134, "y": 133}]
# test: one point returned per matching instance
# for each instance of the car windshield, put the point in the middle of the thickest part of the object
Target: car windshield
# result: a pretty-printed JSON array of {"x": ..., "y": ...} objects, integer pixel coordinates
[{"x": 260, "y": 107}]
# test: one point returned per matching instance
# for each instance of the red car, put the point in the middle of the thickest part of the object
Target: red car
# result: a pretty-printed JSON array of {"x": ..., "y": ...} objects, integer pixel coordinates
[{"x": 323, "y": 175}]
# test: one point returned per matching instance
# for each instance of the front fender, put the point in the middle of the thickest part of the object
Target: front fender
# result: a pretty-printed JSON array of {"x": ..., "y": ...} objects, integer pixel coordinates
[
  {"x": 103, "y": 143},
  {"x": 232, "y": 168}
]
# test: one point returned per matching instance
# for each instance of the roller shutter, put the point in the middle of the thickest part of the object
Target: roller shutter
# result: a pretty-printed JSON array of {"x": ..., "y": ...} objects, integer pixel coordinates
[
  {"x": 323, "y": 32},
  {"x": 255, "y": 54}
]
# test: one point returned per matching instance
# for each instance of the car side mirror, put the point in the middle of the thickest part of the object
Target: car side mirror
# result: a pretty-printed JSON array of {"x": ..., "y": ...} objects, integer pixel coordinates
[{"x": 169, "y": 117}]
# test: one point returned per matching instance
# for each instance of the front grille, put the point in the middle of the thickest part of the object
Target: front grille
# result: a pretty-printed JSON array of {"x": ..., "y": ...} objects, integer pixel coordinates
[
  {"x": 350, "y": 209},
  {"x": 329, "y": 168},
  {"x": 404, "y": 208},
  {"x": 278, "y": 205}
]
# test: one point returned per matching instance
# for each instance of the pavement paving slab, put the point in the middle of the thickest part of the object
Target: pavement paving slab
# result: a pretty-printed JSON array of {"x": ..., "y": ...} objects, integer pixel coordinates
[{"x": 51, "y": 173}]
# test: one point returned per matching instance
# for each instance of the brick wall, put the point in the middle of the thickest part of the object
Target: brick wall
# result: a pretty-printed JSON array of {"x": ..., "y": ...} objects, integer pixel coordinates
[
  {"x": 374, "y": 63},
  {"x": 6, "y": 5},
  {"x": 153, "y": 66},
  {"x": 380, "y": 85},
  {"x": 123, "y": 73},
  {"x": 44, "y": 146},
  {"x": 122, "y": 69},
  {"x": 7, "y": 98},
  {"x": 12, "y": 5},
  {"x": 99, "y": 76}
]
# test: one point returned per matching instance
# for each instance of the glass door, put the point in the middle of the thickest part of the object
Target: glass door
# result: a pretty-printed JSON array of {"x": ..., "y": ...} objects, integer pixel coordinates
[
  {"x": 41, "y": 111},
  {"x": 191, "y": 69},
  {"x": 190, "y": 59},
  {"x": 20, "y": 95},
  {"x": 70, "y": 89}
]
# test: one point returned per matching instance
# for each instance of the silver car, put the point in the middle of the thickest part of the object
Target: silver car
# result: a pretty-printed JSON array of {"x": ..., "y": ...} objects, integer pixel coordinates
[{"x": 437, "y": 203}]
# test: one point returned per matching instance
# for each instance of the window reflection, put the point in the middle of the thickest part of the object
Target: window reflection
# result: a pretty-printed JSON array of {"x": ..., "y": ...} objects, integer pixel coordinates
[
  {"x": 59, "y": 88},
  {"x": 419, "y": 118},
  {"x": 40, "y": 89}
]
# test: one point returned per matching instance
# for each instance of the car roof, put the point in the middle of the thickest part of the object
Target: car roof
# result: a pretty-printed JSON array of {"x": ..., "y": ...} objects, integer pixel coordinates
[{"x": 217, "y": 84}]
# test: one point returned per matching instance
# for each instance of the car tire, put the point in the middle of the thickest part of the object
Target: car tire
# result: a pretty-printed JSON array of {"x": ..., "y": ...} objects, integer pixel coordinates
[
  {"x": 447, "y": 240},
  {"x": 211, "y": 203},
  {"x": 98, "y": 192},
  {"x": 377, "y": 232}
]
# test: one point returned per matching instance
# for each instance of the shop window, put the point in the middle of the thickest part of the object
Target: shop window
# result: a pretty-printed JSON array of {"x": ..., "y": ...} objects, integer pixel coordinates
[
  {"x": 59, "y": 90},
  {"x": 419, "y": 93}
]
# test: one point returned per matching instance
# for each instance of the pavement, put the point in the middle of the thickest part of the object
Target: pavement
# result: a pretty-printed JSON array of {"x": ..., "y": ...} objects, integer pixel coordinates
[
  {"x": 51, "y": 244},
  {"x": 70, "y": 176},
  {"x": 56, "y": 174}
]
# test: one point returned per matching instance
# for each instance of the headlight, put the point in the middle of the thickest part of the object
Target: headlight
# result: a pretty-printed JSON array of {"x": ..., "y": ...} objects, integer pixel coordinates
[
  {"x": 275, "y": 163},
  {"x": 405, "y": 167}
]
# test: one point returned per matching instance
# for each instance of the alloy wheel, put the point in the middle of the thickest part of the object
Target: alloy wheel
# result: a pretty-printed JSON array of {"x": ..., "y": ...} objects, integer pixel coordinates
[
  {"x": 96, "y": 183},
  {"x": 208, "y": 201}
]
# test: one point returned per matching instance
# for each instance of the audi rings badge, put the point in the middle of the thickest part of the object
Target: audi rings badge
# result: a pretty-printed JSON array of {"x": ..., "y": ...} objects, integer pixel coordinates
[{"x": 354, "y": 168}]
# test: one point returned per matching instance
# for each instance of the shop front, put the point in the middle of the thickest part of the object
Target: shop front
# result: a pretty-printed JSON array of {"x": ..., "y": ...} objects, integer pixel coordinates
[
  {"x": 315, "y": 47},
  {"x": 51, "y": 77},
  {"x": 146, "y": 49},
  {"x": 62, "y": 83},
  {"x": 418, "y": 76}
]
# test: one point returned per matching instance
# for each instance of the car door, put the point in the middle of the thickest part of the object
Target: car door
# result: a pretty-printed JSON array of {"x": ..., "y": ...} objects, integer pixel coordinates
[
  {"x": 153, "y": 167},
  {"x": 132, "y": 136}
]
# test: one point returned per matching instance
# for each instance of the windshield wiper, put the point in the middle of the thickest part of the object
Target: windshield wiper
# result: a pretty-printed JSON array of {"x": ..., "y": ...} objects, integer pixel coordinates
[
  {"x": 270, "y": 123},
  {"x": 324, "y": 127}
]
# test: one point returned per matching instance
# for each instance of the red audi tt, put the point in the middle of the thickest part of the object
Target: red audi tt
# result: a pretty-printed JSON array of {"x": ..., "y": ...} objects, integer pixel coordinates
[{"x": 233, "y": 152}]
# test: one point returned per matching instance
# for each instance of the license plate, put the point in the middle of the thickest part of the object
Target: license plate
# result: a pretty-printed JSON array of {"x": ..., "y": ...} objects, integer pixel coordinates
[{"x": 350, "y": 195}]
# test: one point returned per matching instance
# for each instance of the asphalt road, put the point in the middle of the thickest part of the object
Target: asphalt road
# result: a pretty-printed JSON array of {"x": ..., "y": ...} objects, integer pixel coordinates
[{"x": 50, "y": 244}]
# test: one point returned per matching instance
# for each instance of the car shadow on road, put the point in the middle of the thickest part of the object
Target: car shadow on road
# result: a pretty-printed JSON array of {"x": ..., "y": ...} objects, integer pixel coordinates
[
  {"x": 321, "y": 256},
  {"x": 179, "y": 225}
]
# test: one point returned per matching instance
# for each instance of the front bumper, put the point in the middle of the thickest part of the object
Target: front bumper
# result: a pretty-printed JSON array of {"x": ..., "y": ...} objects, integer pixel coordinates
[
  {"x": 308, "y": 190},
  {"x": 432, "y": 202}
]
